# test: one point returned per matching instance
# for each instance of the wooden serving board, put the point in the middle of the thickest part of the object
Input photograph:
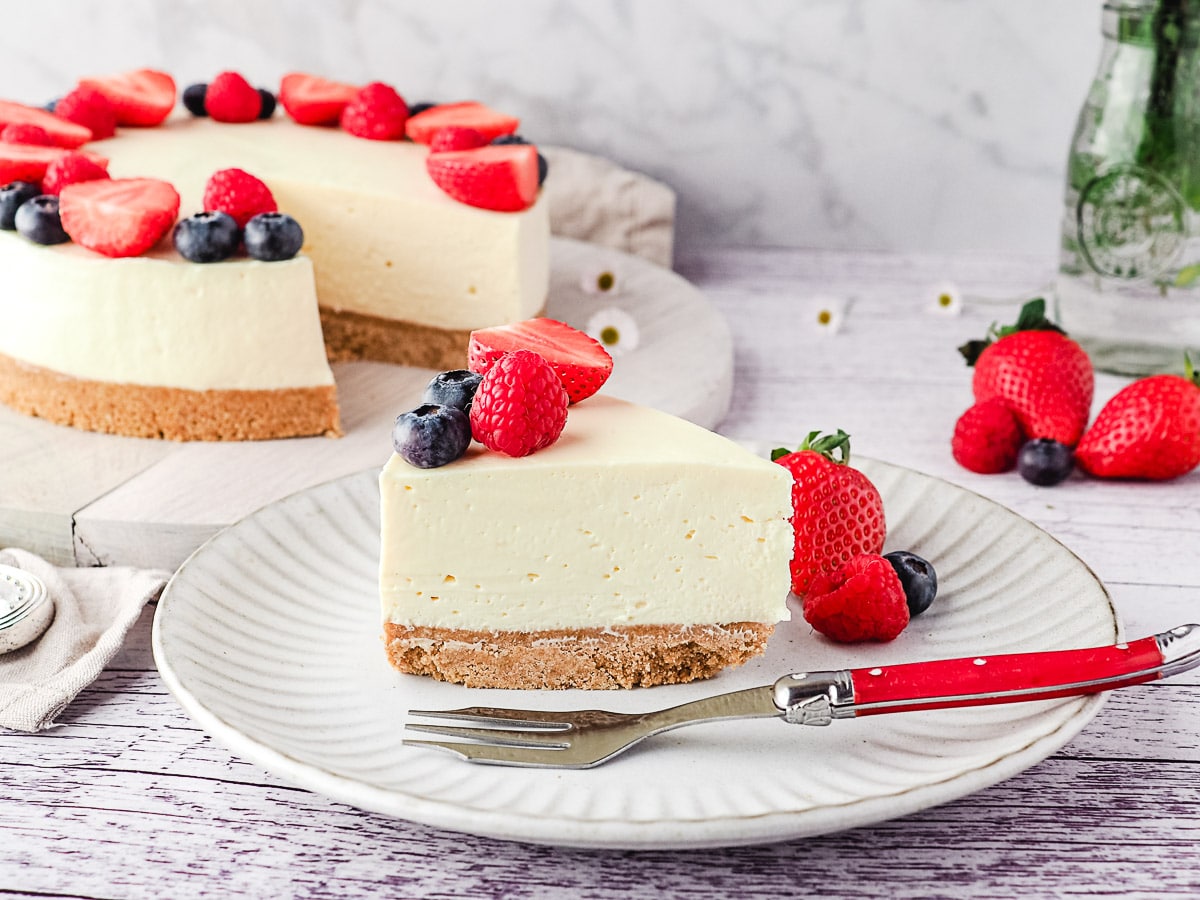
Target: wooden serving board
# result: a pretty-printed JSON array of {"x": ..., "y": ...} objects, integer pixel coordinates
[{"x": 92, "y": 499}]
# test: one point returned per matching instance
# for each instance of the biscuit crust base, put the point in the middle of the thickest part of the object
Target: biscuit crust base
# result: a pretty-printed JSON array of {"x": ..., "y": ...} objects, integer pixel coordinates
[
  {"x": 164, "y": 412},
  {"x": 351, "y": 335},
  {"x": 587, "y": 658}
]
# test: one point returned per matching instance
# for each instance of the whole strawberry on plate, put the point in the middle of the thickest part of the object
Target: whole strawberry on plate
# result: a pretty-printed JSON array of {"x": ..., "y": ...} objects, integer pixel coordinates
[{"x": 837, "y": 512}]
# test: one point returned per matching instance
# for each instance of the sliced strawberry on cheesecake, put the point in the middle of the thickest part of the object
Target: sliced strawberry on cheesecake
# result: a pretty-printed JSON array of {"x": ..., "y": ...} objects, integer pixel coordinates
[
  {"x": 581, "y": 362},
  {"x": 310, "y": 100},
  {"x": 143, "y": 97},
  {"x": 63, "y": 133},
  {"x": 28, "y": 162},
  {"x": 502, "y": 178},
  {"x": 122, "y": 217},
  {"x": 424, "y": 125}
]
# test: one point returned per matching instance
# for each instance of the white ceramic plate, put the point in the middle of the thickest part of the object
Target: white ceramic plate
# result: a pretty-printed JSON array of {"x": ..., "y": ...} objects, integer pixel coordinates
[{"x": 269, "y": 637}]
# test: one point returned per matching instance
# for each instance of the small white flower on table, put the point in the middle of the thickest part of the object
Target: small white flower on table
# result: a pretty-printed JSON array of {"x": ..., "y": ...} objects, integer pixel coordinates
[
  {"x": 825, "y": 314},
  {"x": 946, "y": 299},
  {"x": 615, "y": 329},
  {"x": 600, "y": 280}
]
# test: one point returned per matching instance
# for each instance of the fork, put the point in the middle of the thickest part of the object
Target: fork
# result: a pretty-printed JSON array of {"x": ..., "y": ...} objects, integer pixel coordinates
[{"x": 581, "y": 739}]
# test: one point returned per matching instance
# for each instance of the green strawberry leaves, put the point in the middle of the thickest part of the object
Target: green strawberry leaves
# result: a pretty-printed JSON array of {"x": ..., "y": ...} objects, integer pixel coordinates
[
  {"x": 826, "y": 445},
  {"x": 1031, "y": 318}
]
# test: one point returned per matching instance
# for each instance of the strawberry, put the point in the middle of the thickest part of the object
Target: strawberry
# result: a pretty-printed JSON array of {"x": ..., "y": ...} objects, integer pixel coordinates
[
  {"x": 71, "y": 168},
  {"x": 28, "y": 162},
  {"x": 239, "y": 194},
  {"x": 121, "y": 217},
  {"x": 457, "y": 137},
  {"x": 582, "y": 364},
  {"x": 26, "y": 133},
  {"x": 836, "y": 512},
  {"x": 143, "y": 97},
  {"x": 1150, "y": 429},
  {"x": 231, "y": 98},
  {"x": 520, "y": 405},
  {"x": 503, "y": 178},
  {"x": 376, "y": 113},
  {"x": 1045, "y": 377},
  {"x": 63, "y": 133},
  {"x": 987, "y": 438},
  {"x": 88, "y": 107},
  {"x": 310, "y": 100},
  {"x": 861, "y": 600},
  {"x": 422, "y": 127}
]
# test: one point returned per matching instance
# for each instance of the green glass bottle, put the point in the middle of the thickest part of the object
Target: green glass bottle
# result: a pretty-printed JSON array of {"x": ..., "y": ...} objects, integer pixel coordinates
[{"x": 1128, "y": 286}]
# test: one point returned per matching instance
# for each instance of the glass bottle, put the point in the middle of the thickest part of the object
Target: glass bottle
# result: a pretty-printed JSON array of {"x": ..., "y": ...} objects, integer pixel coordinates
[{"x": 1128, "y": 287}]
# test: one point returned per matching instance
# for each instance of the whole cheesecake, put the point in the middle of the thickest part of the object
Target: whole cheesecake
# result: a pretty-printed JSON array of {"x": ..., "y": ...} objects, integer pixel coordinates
[{"x": 639, "y": 549}]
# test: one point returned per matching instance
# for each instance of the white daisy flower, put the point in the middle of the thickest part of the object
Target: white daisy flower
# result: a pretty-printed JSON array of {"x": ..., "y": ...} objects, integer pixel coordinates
[
  {"x": 946, "y": 299},
  {"x": 825, "y": 314},
  {"x": 615, "y": 329},
  {"x": 600, "y": 281}
]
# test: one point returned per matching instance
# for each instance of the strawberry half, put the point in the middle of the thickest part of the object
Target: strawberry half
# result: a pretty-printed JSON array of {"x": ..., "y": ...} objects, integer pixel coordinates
[
  {"x": 310, "y": 100},
  {"x": 123, "y": 217},
  {"x": 423, "y": 126},
  {"x": 501, "y": 178},
  {"x": 582, "y": 363},
  {"x": 63, "y": 133},
  {"x": 143, "y": 97},
  {"x": 28, "y": 162}
]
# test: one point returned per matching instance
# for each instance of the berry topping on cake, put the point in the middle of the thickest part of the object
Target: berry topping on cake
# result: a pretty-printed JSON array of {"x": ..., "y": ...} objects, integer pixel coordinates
[
  {"x": 432, "y": 435},
  {"x": 273, "y": 237},
  {"x": 310, "y": 100},
  {"x": 88, "y": 107},
  {"x": 28, "y": 162},
  {"x": 193, "y": 99},
  {"x": 836, "y": 512},
  {"x": 38, "y": 219},
  {"x": 861, "y": 600},
  {"x": 456, "y": 388},
  {"x": 144, "y": 97},
  {"x": 12, "y": 195},
  {"x": 237, "y": 192},
  {"x": 268, "y": 103},
  {"x": 1045, "y": 462},
  {"x": 418, "y": 108},
  {"x": 376, "y": 113},
  {"x": 207, "y": 237},
  {"x": 26, "y": 133},
  {"x": 423, "y": 126},
  {"x": 63, "y": 133},
  {"x": 231, "y": 98},
  {"x": 503, "y": 179},
  {"x": 456, "y": 137},
  {"x": 543, "y": 166},
  {"x": 120, "y": 217},
  {"x": 987, "y": 437},
  {"x": 521, "y": 405},
  {"x": 71, "y": 168},
  {"x": 917, "y": 577},
  {"x": 581, "y": 363}
]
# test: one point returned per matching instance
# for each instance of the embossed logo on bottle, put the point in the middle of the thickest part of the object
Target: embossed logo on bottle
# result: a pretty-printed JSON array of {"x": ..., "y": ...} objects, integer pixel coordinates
[{"x": 1132, "y": 223}]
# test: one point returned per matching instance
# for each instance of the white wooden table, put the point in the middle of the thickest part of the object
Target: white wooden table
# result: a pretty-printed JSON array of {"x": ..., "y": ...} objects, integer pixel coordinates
[{"x": 130, "y": 799}]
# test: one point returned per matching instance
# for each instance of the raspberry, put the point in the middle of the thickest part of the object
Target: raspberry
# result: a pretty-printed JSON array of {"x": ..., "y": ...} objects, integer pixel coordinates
[
  {"x": 231, "y": 98},
  {"x": 520, "y": 406},
  {"x": 21, "y": 133},
  {"x": 377, "y": 113},
  {"x": 861, "y": 600},
  {"x": 70, "y": 168},
  {"x": 457, "y": 137},
  {"x": 987, "y": 438},
  {"x": 88, "y": 107},
  {"x": 238, "y": 193}
]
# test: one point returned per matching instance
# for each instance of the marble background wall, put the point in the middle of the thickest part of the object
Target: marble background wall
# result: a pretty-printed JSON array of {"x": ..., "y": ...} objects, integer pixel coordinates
[{"x": 926, "y": 125}]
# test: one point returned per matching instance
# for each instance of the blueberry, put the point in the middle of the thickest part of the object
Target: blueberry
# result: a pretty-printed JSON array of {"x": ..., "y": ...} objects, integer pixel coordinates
[
  {"x": 416, "y": 108},
  {"x": 543, "y": 166},
  {"x": 52, "y": 105},
  {"x": 207, "y": 237},
  {"x": 456, "y": 388},
  {"x": 38, "y": 220},
  {"x": 193, "y": 99},
  {"x": 432, "y": 435},
  {"x": 918, "y": 577},
  {"x": 273, "y": 236},
  {"x": 12, "y": 195},
  {"x": 1045, "y": 462},
  {"x": 268, "y": 104}
]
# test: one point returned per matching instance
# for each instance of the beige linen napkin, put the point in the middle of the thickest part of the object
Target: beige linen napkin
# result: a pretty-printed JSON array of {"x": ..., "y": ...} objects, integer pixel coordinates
[{"x": 94, "y": 610}]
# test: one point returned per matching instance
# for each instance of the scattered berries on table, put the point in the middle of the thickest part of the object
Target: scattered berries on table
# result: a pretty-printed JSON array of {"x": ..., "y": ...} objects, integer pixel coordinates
[
  {"x": 837, "y": 512},
  {"x": 455, "y": 388},
  {"x": 1045, "y": 377},
  {"x": 193, "y": 99},
  {"x": 421, "y": 127},
  {"x": 88, "y": 107},
  {"x": 237, "y": 192},
  {"x": 207, "y": 237},
  {"x": 1045, "y": 462},
  {"x": 311, "y": 100},
  {"x": 119, "y": 217},
  {"x": 860, "y": 600},
  {"x": 71, "y": 168},
  {"x": 1149, "y": 430},
  {"x": 917, "y": 577},
  {"x": 267, "y": 109},
  {"x": 581, "y": 363},
  {"x": 141, "y": 98},
  {"x": 63, "y": 133},
  {"x": 273, "y": 237},
  {"x": 12, "y": 195},
  {"x": 231, "y": 98},
  {"x": 38, "y": 220},
  {"x": 26, "y": 133},
  {"x": 376, "y": 113},
  {"x": 520, "y": 406},
  {"x": 987, "y": 438},
  {"x": 457, "y": 137},
  {"x": 432, "y": 435},
  {"x": 503, "y": 179}
]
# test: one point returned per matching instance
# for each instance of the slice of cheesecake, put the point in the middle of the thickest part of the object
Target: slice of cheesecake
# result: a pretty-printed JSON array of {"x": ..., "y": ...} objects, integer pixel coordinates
[{"x": 639, "y": 549}]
